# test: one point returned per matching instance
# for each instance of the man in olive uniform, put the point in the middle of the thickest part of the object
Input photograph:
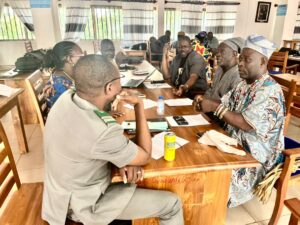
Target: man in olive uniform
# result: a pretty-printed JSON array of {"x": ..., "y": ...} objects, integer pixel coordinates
[{"x": 81, "y": 141}]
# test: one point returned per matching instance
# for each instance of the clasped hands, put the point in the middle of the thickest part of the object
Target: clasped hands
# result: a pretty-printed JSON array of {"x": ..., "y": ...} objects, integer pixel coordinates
[
  {"x": 131, "y": 174},
  {"x": 203, "y": 104},
  {"x": 125, "y": 97}
]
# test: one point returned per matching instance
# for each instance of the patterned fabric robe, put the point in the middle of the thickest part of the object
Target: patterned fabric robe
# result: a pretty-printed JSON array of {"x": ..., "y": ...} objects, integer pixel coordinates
[
  {"x": 262, "y": 106},
  {"x": 55, "y": 87}
]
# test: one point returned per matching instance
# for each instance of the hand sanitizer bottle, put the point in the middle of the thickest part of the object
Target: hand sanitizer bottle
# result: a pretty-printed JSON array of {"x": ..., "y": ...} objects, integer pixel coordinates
[{"x": 160, "y": 106}]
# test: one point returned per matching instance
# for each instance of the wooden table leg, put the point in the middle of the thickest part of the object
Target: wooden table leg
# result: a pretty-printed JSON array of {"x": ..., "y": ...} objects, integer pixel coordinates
[
  {"x": 19, "y": 128},
  {"x": 204, "y": 196}
]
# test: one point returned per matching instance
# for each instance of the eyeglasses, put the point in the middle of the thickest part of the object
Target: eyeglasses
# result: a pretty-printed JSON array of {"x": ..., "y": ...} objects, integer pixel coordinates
[
  {"x": 120, "y": 77},
  {"x": 80, "y": 55}
]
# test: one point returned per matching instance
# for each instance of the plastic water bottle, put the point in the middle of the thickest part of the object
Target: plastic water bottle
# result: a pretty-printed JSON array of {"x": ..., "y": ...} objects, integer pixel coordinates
[{"x": 160, "y": 106}]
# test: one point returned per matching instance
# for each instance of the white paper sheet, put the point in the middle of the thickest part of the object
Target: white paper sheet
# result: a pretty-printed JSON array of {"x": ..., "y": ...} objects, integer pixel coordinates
[
  {"x": 179, "y": 102},
  {"x": 193, "y": 120},
  {"x": 153, "y": 125},
  {"x": 6, "y": 90},
  {"x": 158, "y": 144},
  {"x": 221, "y": 141},
  {"x": 215, "y": 135},
  {"x": 148, "y": 103},
  {"x": 153, "y": 86}
]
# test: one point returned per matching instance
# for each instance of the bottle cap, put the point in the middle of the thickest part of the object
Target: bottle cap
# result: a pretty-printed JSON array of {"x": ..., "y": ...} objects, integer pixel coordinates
[{"x": 161, "y": 97}]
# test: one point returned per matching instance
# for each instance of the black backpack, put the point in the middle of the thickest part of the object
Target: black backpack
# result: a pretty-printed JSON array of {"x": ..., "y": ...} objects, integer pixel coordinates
[{"x": 31, "y": 61}]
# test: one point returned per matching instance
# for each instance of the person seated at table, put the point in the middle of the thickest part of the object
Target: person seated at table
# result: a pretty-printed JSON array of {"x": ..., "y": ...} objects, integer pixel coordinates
[
  {"x": 107, "y": 49},
  {"x": 175, "y": 44},
  {"x": 186, "y": 71},
  {"x": 199, "y": 44},
  {"x": 60, "y": 61},
  {"x": 254, "y": 113},
  {"x": 164, "y": 39},
  {"x": 227, "y": 75},
  {"x": 156, "y": 48},
  {"x": 81, "y": 141},
  {"x": 212, "y": 43}
]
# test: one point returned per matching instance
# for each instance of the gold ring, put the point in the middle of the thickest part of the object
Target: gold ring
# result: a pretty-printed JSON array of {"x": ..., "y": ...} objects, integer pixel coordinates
[{"x": 139, "y": 172}]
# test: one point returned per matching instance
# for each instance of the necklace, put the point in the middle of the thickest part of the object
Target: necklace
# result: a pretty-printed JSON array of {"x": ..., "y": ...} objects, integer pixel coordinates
[{"x": 68, "y": 76}]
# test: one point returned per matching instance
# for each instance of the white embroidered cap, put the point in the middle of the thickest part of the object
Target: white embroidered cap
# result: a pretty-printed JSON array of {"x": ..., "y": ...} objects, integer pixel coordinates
[{"x": 260, "y": 44}]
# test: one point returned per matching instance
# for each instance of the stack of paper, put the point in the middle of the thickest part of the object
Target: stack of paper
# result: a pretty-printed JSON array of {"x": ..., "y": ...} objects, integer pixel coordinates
[
  {"x": 148, "y": 103},
  {"x": 221, "y": 141},
  {"x": 6, "y": 90},
  {"x": 157, "y": 85},
  {"x": 193, "y": 120},
  {"x": 179, "y": 102},
  {"x": 158, "y": 144}
]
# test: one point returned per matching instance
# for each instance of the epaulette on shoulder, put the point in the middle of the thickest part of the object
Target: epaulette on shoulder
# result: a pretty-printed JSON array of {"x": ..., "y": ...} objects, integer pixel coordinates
[{"x": 107, "y": 119}]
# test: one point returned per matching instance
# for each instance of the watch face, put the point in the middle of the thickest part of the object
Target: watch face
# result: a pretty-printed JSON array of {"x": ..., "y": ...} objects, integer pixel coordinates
[{"x": 180, "y": 71}]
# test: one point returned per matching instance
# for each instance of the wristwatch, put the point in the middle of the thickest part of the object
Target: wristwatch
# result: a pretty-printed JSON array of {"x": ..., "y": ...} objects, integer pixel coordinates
[{"x": 185, "y": 87}]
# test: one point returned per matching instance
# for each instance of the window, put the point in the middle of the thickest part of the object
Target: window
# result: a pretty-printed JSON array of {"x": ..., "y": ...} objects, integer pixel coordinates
[
  {"x": 172, "y": 18},
  {"x": 108, "y": 21},
  {"x": 103, "y": 22},
  {"x": 11, "y": 27}
]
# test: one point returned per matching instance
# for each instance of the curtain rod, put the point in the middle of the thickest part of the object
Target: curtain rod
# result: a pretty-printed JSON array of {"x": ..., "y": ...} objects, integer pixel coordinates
[
  {"x": 203, "y": 2},
  {"x": 139, "y": 1}
]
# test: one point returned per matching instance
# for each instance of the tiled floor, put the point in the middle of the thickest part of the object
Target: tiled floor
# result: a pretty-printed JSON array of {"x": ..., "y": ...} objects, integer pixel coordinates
[{"x": 31, "y": 169}]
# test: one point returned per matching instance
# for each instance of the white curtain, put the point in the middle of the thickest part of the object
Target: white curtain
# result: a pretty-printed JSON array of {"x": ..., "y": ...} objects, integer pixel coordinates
[
  {"x": 77, "y": 13},
  {"x": 1, "y": 6},
  {"x": 191, "y": 19},
  {"x": 138, "y": 21},
  {"x": 297, "y": 25},
  {"x": 23, "y": 11},
  {"x": 220, "y": 18}
]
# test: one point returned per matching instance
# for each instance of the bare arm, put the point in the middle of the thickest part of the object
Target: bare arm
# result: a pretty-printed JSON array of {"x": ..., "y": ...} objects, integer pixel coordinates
[
  {"x": 188, "y": 84},
  {"x": 233, "y": 118},
  {"x": 165, "y": 64},
  {"x": 143, "y": 137}
]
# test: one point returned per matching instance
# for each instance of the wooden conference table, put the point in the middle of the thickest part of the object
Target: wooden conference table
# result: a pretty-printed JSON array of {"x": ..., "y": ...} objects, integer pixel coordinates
[{"x": 200, "y": 174}]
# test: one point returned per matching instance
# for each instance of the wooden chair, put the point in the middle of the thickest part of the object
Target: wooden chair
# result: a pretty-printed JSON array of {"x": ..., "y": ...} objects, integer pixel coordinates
[
  {"x": 291, "y": 155},
  {"x": 294, "y": 206},
  {"x": 96, "y": 45},
  {"x": 279, "y": 60},
  {"x": 295, "y": 107},
  {"x": 154, "y": 58},
  {"x": 35, "y": 85},
  {"x": 28, "y": 46},
  {"x": 288, "y": 88}
]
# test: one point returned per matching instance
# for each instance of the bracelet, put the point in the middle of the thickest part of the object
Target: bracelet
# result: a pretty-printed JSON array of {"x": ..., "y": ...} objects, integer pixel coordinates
[
  {"x": 216, "y": 113},
  {"x": 219, "y": 106},
  {"x": 186, "y": 87},
  {"x": 223, "y": 113}
]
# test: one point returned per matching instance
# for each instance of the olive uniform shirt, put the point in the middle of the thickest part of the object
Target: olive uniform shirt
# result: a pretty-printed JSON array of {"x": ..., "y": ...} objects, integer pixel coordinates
[{"x": 79, "y": 144}]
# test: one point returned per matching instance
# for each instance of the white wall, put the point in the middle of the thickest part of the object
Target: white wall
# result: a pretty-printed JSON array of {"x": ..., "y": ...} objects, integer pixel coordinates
[
  {"x": 11, "y": 50},
  {"x": 245, "y": 23},
  {"x": 284, "y": 25}
]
